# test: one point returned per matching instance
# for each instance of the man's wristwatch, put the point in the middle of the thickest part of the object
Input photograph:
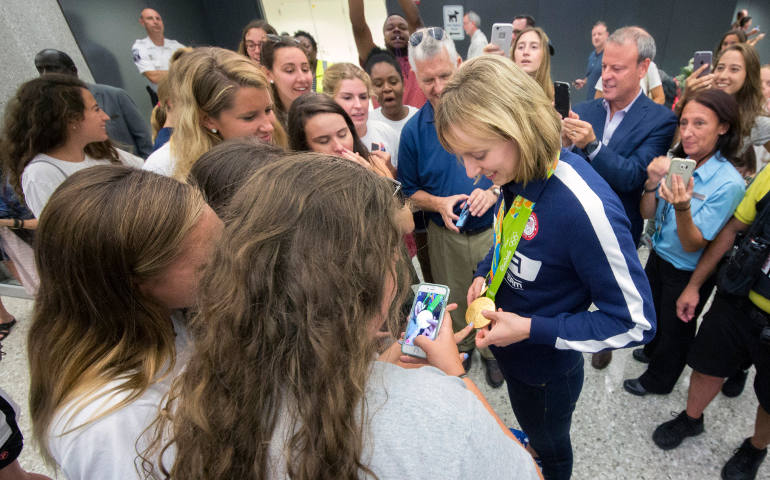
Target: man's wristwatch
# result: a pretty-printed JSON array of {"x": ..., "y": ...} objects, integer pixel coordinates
[
  {"x": 589, "y": 148},
  {"x": 496, "y": 190}
]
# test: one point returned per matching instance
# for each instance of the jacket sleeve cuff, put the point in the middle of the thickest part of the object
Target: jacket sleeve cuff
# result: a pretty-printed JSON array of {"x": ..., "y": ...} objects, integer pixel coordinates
[{"x": 543, "y": 330}]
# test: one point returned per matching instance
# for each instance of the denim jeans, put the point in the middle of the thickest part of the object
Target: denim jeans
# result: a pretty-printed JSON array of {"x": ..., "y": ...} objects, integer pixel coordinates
[{"x": 544, "y": 412}]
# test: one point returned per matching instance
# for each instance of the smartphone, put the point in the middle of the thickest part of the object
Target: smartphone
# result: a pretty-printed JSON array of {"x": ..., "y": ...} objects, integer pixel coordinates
[
  {"x": 375, "y": 147},
  {"x": 702, "y": 58},
  {"x": 464, "y": 213},
  {"x": 502, "y": 36},
  {"x": 561, "y": 98},
  {"x": 682, "y": 167},
  {"x": 425, "y": 316}
]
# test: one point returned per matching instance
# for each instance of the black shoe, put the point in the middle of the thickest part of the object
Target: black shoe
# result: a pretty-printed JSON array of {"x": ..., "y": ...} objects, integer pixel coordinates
[
  {"x": 744, "y": 463},
  {"x": 634, "y": 387},
  {"x": 494, "y": 375},
  {"x": 468, "y": 361},
  {"x": 670, "y": 434},
  {"x": 600, "y": 360},
  {"x": 734, "y": 384},
  {"x": 640, "y": 356}
]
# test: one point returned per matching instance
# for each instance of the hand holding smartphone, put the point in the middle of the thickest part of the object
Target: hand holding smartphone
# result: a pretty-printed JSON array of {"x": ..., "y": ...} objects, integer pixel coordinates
[
  {"x": 425, "y": 317},
  {"x": 702, "y": 58},
  {"x": 683, "y": 167},
  {"x": 502, "y": 36}
]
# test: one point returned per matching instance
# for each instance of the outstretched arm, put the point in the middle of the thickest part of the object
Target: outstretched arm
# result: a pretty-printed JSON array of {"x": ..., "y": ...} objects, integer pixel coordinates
[
  {"x": 412, "y": 14},
  {"x": 361, "y": 32}
]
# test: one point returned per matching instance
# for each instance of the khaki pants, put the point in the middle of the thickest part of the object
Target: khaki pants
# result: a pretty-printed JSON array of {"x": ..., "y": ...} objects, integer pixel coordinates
[{"x": 453, "y": 258}]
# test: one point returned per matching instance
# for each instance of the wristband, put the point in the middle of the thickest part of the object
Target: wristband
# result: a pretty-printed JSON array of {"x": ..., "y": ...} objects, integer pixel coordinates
[
  {"x": 463, "y": 375},
  {"x": 682, "y": 209},
  {"x": 650, "y": 190},
  {"x": 16, "y": 224}
]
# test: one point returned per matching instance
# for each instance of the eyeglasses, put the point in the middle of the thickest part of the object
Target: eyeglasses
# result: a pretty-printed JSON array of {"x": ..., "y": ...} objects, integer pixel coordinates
[{"x": 435, "y": 32}]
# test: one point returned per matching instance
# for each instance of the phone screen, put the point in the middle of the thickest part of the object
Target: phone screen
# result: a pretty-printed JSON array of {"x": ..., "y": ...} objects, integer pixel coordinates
[
  {"x": 561, "y": 98},
  {"x": 425, "y": 317}
]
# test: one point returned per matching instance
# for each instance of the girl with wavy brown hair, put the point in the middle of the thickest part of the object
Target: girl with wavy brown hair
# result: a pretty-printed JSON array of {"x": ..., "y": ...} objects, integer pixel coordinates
[
  {"x": 284, "y": 382},
  {"x": 107, "y": 335},
  {"x": 53, "y": 128},
  {"x": 220, "y": 95}
]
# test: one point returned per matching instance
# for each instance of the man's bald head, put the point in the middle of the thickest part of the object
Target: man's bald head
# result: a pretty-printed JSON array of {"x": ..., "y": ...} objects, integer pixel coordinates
[
  {"x": 151, "y": 21},
  {"x": 54, "y": 61}
]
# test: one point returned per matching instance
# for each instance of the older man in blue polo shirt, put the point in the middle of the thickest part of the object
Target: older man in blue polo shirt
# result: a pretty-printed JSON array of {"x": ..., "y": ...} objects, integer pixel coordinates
[{"x": 436, "y": 182}]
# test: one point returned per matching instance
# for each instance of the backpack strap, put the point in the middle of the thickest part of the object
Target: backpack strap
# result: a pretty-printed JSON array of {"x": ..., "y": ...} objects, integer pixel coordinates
[{"x": 40, "y": 160}]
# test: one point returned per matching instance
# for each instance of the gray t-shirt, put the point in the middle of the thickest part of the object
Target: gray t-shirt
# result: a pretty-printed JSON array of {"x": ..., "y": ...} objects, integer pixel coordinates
[{"x": 422, "y": 423}]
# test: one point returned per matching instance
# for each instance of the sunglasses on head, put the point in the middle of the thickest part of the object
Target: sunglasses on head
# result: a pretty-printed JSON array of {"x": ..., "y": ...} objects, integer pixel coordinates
[
  {"x": 417, "y": 37},
  {"x": 273, "y": 38},
  {"x": 397, "y": 192}
]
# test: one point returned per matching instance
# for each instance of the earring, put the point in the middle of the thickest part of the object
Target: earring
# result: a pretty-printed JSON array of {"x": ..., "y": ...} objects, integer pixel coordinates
[
  {"x": 214, "y": 130},
  {"x": 271, "y": 81}
]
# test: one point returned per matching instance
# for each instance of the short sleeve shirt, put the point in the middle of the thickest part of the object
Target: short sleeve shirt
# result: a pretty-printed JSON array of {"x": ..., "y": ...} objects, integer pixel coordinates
[
  {"x": 149, "y": 57},
  {"x": 747, "y": 212}
]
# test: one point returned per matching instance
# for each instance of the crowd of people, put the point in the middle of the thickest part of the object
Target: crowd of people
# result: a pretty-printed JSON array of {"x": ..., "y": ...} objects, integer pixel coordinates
[{"x": 222, "y": 296}]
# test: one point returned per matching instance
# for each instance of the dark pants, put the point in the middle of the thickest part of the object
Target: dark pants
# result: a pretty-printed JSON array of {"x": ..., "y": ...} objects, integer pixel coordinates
[
  {"x": 544, "y": 412},
  {"x": 668, "y": 350}
]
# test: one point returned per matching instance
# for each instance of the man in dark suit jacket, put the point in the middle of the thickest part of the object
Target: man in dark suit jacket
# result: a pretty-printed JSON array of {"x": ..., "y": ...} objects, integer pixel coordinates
[{"x": 621, "y": 133}]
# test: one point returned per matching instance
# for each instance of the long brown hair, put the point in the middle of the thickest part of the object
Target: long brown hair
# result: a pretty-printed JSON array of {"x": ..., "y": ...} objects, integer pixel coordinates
[
  {"x": 749, "y": 97},
  {"x": 37, "y": 120},
  {"x": 104, "y": 231},
  {"x": 543, "y": 74},
  {"x": 288, "y": 309}
]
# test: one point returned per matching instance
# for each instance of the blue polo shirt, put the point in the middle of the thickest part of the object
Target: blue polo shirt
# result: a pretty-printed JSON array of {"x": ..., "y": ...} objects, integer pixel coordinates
[
  {"x": 593, "y": 72},
  {"x": 717, "y": 191},
  {"x": 423, "y": 164}
]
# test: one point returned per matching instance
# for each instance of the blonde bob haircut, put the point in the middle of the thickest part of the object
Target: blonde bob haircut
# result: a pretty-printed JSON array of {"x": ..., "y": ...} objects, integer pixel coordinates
[
  {"x": 344, "y": 71},
  {"x": 493, "y": 99},
  {"x": 543, "y": 73},
  {"x": 209, "y": 79}
]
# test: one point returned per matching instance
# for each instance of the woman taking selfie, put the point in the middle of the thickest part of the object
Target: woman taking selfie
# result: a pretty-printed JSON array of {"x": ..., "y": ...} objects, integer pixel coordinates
[
  {"x": 107, "y": 334},
  {"x": 685, "y": 223},
  {"x": 542, "y": 322},
  {"x": 301, "y": 280}
]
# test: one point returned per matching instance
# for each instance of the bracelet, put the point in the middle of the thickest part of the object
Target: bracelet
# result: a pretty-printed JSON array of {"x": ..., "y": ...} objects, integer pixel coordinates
[
  {"x": 650, "y": 190},
  {"x": 463, "y": 375},
  {"x": 682, "y": 209},
  {"x": 22, "y": 224},
  {"x": 16, "y": 224}
]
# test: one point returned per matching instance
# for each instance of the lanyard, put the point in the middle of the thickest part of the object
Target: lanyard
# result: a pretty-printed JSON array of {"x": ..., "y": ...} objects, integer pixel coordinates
[{"x": 509, "y": 226}]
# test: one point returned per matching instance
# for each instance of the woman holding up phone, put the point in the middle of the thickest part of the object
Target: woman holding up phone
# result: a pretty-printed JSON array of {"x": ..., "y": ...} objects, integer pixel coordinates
[
  {"x": 543, "y": 324},
  {"x": 688, "y": 215},
  {"x": 300, "y": 285}
]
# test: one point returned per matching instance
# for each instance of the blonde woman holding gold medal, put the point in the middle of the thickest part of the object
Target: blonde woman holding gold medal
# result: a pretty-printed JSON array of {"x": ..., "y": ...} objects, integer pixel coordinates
[{"x": 562, "y": 241}]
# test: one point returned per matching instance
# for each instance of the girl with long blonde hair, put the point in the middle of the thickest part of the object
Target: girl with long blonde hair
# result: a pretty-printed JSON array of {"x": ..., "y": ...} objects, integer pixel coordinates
[
  {"x": 221, "y": 95},
  {"x": 284, "y": 382},
  {"x": 104, "y": 341}
]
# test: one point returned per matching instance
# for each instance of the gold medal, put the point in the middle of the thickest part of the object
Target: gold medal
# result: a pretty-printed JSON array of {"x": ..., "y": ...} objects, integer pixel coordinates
[{"x": 473, "y": 313}]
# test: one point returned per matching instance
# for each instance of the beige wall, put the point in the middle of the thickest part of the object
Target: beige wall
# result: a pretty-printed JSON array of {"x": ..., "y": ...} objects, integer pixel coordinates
[
  {"x": 27, "y": 27},
  {"x": 328, "y": 22}
]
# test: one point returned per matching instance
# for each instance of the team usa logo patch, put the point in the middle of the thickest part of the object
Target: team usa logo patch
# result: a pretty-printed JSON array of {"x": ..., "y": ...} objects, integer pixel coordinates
[{"x": 530, "y": 230}]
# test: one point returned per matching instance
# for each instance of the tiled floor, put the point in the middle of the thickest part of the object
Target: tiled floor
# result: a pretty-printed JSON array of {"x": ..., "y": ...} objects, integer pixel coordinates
[{"x": 611, "y": 431}]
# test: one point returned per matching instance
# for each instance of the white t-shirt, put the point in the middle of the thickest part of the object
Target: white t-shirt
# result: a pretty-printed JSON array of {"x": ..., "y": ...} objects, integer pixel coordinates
[
  {"x": 109, "y": 447},
  {"x": 381, "y": 134},
  {"x": 396, "y": 125},
  {"x": 43, "y": 174},
  {"x": 648, "y": 82},
  {"x": 149, "y": 57},
  {"x": 478, "y": 42},
  {"x": 160, "y": 161},
  {"x": 422, "y": 423}
]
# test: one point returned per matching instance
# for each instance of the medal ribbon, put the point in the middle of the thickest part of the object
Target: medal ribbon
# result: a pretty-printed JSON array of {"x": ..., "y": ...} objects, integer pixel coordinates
[{"x": 508, "y": 228}]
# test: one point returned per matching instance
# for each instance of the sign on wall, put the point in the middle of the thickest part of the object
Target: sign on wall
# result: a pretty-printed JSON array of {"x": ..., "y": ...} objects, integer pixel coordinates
[{"x": 453, "y": 21}]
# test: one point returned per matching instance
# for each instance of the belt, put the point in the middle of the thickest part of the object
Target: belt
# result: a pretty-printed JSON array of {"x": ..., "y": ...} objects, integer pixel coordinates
[{"x": 475, "y": 231}]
